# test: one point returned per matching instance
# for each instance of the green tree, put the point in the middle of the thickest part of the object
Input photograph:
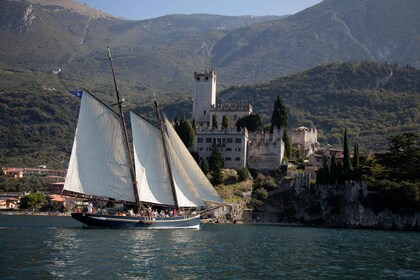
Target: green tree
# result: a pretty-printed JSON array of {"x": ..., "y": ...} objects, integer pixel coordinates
[
  {"x": 194, "y": 124},
  {"x": 357, "y": 175},
  {"x": 287, "y": 144},
  {"x": 225, "y": 122},
  {"x": 346, "y": 154},
  {"x": 279, "y": 116},
  {"x": 356, "y": 156},
  {"x": 185, "y": 132},
  {"x": 216, "y": 163},
  {"x": 403, "y": 160},
  {"x": 252, "y": 122},
  {"x": 243, "y": 174},
  {"x": 323, "y": 175},
  {"x": 214, "y": 124},
  {"x": 334, "y": 170},
  {"x": 261, "y": 193},
  {"x": 205, "y": 166},
  {"x": 33, "y": 200}
]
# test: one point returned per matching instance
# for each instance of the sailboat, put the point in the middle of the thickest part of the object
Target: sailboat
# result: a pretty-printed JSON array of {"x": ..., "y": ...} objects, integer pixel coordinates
[{"x": 161, "y": 174}]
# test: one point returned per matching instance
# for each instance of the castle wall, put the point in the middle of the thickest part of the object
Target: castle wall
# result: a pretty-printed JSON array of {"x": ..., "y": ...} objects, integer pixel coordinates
[
  {"x": 233, "y": 112},
  {"x": 265, "y": 149},
  {"x": 306, "y": 139}
]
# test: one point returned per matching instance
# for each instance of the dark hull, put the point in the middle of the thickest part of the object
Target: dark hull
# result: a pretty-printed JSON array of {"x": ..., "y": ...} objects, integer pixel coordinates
[{"x": 106, "y": 221}]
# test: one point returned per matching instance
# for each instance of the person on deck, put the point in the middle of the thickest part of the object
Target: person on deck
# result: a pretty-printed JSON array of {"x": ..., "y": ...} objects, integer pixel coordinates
[{"x": 90, "y": 207}]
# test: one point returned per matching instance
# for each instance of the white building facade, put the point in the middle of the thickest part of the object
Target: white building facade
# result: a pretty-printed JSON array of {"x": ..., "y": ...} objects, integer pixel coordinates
[{"x": 261, "y": 150}]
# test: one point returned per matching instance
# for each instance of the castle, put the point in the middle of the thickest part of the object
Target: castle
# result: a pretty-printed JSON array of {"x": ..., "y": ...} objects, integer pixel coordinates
[{"x": 239, "y": 148}]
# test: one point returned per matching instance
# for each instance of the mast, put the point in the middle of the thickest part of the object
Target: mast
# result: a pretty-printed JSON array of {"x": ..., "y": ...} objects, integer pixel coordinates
[
  {"x": 127, "y": 144},
  {"x": 168, "y": 164}
]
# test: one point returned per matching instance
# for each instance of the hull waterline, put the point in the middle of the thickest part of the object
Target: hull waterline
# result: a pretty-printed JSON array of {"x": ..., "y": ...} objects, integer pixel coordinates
[{"x": 107, "y": 221}]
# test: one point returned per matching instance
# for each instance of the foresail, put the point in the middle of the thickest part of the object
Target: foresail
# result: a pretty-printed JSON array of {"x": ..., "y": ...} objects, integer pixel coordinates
[
  {"x": 202, "y": 185},
  {"x": 186, "y": 193},
  {"x": 99, "y": 163},
  {"x": 151, "y": 170}
]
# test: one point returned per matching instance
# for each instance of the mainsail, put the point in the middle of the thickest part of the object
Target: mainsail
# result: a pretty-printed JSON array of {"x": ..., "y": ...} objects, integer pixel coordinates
[
  {"x": 153, "y": 177},
  {"x": 99, "y": 163},
  {"x": 201, "y": 184}
]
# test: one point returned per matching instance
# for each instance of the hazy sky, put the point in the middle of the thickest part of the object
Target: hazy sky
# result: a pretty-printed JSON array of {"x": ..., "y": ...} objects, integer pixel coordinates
[{"x": 145, "y": 9}]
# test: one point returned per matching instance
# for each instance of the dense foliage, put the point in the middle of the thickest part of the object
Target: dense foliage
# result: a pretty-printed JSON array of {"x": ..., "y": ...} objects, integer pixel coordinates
[
  {"x": 252, "y": 122},
  {"x": 32, "y": 201},
  {"x": 394, "y": 177},
  {"x": 372, "y": 100},
  {"x": 185, "y": 131},
  {"x": 279, "y": 115},
  {"x": 216, "y": 163}
]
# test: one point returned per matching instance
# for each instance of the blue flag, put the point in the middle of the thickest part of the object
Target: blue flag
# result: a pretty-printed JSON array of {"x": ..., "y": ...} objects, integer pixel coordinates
[{"x": 77, "y": 93}]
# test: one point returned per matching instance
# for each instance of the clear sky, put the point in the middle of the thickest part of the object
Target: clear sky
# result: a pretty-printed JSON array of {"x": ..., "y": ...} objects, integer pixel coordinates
[{"x": 146, "y": 9}]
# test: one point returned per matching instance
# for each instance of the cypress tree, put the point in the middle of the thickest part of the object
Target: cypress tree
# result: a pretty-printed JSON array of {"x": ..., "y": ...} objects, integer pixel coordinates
[
  {"x": 334, "y": 170},
  {"x": 356, "y": 156},
  {"x": 186, "y": 132},
  {"x": 279, "y": 116},
  {"x": 176, "y": 124},
  {"x": 225, "y": 122},
  {"x": 216, "y": 163},
  {"x": 194, "y": 124},
  {"x": 287, "y": 144},
  {"x": 326, "y": 171},
  {"x": 346, "y": 159},
  {"x": 214, "y": 122}
]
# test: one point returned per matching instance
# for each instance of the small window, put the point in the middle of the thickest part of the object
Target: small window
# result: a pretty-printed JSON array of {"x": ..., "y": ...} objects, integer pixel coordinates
[
  {"x": 199, "y": 140},
  {"x": 238, "y": 149},
  {"x": 205, "y": 112},
  {"x": 228, "y": 159},
  {"x": 237, "y": 159},
  {"x": 200, "y": 148},
  {"x": 238, "y": 140},
  {"x": 229, "y": 140},
  {"x": 208, "y": 140}
]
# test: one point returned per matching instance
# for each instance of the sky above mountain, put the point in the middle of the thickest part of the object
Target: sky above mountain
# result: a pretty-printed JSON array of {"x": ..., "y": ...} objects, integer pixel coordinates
[{"x": 146, "y": 9}]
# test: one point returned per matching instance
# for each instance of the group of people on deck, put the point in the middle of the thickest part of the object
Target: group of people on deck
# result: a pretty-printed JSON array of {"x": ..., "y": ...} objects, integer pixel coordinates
[{"x": 149, "y": 212}]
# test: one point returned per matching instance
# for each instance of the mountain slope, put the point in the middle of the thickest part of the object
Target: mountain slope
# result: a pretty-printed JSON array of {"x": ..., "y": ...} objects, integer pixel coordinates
[
  {"x": 372, "y": 100},
  {"x": 161, "y": 54},
  {"x": 377, "y": 30}
]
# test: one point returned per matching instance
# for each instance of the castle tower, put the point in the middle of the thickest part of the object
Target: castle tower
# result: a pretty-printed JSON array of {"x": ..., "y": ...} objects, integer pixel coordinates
[{"x": 204, "y": 96}]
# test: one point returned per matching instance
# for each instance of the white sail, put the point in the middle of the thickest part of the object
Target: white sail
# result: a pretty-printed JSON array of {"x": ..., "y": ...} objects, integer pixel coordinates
[
  {"x": 186, "y": 193},
  {"x": 99, "y": 163},
  {"x": 202, "y": 185},
  {"x": 153, "y": 181}
]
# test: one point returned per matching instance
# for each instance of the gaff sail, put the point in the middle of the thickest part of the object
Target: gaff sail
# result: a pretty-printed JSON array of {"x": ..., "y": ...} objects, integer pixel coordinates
[{"x": 99, "y": 163}]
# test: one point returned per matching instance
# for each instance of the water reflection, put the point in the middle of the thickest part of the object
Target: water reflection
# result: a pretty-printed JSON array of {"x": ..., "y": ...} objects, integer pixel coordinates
[{"x": 60, "y": 250}]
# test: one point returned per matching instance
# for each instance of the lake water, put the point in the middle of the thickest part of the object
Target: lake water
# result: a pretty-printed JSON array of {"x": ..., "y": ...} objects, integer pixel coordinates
[{"x": 49, "y": 247}]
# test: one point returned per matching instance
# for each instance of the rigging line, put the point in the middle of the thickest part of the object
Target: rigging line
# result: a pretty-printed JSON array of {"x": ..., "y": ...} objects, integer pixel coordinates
[
  {"x": 121, "y": 114},
  {"x": 168, "y": 164}
]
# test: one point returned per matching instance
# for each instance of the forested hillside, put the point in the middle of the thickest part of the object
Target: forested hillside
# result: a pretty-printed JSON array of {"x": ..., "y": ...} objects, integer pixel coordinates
[{"x": 372, "y": 100}]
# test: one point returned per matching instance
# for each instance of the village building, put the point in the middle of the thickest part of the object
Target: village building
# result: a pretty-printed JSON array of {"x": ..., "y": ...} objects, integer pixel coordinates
[
  {"x": 18, "y": 173},
  {"x": 306, "y": 139},
  {"x": 239, "y": 148}
]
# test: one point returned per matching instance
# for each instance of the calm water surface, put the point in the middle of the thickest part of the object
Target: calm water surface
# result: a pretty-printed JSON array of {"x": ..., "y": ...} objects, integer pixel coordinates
[{"x": 47, "y": 247}]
